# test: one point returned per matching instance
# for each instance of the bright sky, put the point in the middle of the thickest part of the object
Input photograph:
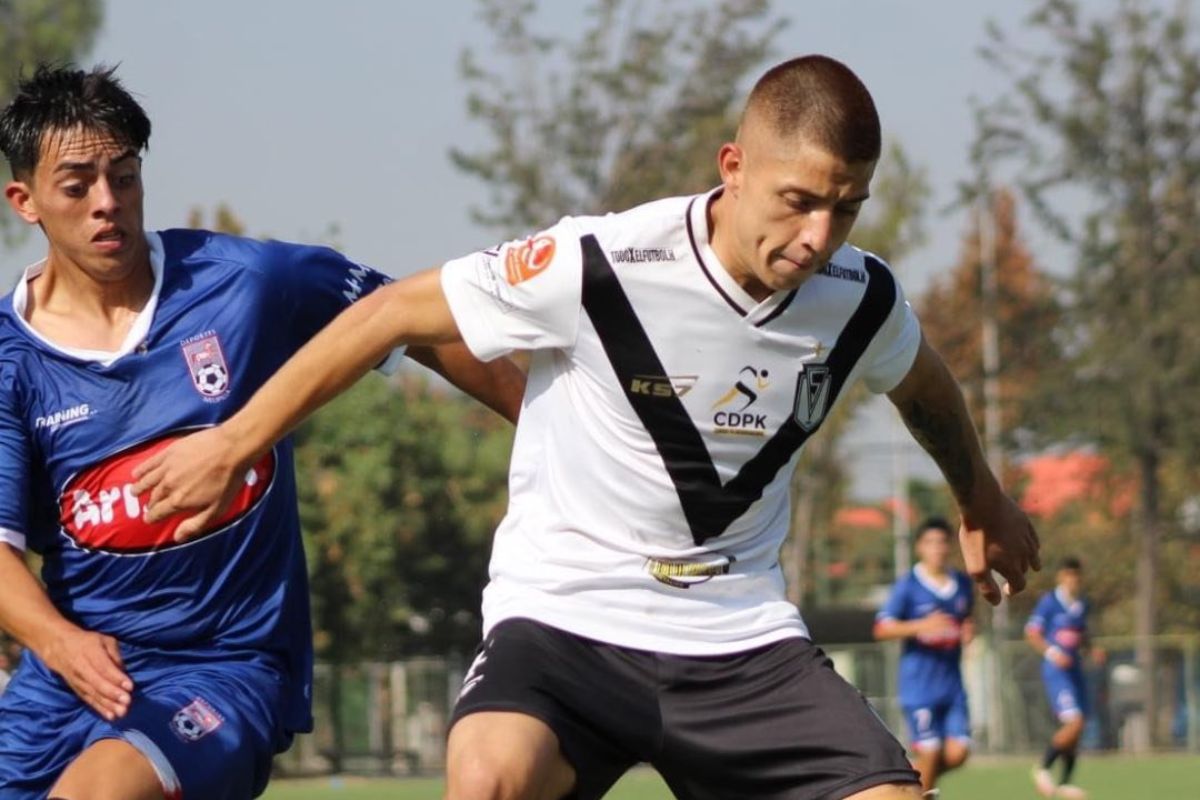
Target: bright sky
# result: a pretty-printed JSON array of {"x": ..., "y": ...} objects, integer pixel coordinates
[{"x": 303, "y": 115}]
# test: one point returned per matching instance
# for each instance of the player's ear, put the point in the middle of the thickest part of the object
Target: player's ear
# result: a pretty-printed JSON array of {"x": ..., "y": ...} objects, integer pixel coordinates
[
  {"x": 731, "y": 162},
  {"x": 20, "y": 197}
]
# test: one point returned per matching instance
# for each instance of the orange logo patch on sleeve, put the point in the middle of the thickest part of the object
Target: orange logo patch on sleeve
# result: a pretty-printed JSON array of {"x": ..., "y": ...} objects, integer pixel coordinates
[{"x": 528, "y": 260}]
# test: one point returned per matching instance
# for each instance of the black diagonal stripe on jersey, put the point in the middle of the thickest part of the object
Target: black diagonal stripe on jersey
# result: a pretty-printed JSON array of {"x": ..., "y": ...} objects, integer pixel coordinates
[{"x": 708, "y": 505}]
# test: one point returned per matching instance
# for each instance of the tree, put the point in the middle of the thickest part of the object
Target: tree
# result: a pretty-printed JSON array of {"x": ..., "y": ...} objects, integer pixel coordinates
[
  {"x": 1027, "y": 313},
  {"x": 400, "y": 487},
  {"x": 631, "y": 111},
  {"x": 36, "y": 31},
  {"x": 1111, "y": 109}
]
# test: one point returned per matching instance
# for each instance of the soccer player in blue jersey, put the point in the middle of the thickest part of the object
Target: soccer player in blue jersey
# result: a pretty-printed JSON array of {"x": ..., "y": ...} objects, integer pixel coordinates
[
  {"x": 930, "y": 609},
  {"x": 1057, "y": 630},
  {"x": 154, "y": 669}
]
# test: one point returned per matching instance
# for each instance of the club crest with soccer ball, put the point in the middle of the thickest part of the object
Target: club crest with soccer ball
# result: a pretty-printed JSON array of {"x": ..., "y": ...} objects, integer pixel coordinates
[{"x": 206, "y": 363}]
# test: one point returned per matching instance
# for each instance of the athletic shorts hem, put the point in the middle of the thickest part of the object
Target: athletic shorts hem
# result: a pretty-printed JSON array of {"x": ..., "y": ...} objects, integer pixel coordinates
[
  {"x": 843, "y": 790},
  {"x": 493, "y": 705}
]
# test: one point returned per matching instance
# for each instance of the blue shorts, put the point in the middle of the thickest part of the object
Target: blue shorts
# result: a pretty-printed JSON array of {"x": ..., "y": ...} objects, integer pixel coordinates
[
  {"x": 930, "y": 725},
  {"x": 1066, "y": 691},
  {"x": 209, "y": 728}
]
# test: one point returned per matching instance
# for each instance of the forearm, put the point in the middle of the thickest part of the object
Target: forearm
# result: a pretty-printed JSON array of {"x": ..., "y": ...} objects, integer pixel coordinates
[
  {"x": 1037, "y": 641},
  {"x": 499, "y": 384},
  {"x": 896, "y": 629},
  {"x": 411, "y": 311},
  {"x": 932, "y": 406},
  {"x": 26, "y": 612}
]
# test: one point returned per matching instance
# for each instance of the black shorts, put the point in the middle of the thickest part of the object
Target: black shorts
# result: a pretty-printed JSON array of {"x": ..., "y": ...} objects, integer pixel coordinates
[{"x": 775, "y": 723}]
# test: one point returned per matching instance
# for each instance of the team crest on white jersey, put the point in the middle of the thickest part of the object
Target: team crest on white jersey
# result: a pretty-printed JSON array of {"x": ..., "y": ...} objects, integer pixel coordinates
[
  {"x": 812, "y": 396},
  {"x": 206, "y": 364}
]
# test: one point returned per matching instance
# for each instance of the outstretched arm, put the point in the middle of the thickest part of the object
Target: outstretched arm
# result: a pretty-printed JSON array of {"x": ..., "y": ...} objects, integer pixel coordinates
[
  {"x": 995, "y": 534},
  {"x": 202, "y": 472}
]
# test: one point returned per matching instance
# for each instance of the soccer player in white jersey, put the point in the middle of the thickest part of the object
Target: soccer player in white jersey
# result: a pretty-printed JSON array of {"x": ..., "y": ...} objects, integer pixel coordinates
[{"x": 683, "y": 352}]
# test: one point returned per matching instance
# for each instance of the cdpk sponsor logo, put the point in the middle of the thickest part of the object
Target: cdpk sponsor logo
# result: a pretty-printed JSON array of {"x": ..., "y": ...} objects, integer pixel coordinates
[
  {"x": 99, "y": 510},
  {"x": 734, "y": 411}
]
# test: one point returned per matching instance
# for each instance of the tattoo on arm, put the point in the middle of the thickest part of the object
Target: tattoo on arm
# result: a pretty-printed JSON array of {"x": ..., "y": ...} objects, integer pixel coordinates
[{"x": 944, "y": 438}]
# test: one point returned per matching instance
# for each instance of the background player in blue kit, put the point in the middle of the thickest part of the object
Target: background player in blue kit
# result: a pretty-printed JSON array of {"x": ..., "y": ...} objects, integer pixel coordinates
[
  {"x": 1057, "y": 630},
  {"x": 154, "y": 668},
  {"x": 930, "y": 609}
]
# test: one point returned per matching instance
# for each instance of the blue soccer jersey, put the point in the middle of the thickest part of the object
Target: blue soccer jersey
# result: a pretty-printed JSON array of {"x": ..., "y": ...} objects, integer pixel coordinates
[
  {"x": 1061, "y": 623},
  {"x": 929, "y": 665},
  {"x": 225, "y": 313}
]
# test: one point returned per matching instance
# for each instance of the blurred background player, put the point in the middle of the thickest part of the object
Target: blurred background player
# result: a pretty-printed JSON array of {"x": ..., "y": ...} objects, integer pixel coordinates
[
  {"x": 1057, "y": 630},
  {"x": 930, "y": 609},
  {"x": 154, "y": 669}
]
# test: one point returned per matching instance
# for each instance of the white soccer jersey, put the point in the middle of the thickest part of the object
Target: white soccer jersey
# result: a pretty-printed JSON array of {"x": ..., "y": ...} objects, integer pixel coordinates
[{"x": 665, "y": 410}]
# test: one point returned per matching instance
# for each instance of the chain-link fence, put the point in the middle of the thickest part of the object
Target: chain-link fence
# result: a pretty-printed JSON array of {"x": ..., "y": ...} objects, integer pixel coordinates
[{"x": 390, "y": 718}]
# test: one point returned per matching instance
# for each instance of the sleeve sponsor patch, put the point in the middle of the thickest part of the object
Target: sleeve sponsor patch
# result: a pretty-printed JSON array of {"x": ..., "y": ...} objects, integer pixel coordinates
[{"x": 528, "y": 259}]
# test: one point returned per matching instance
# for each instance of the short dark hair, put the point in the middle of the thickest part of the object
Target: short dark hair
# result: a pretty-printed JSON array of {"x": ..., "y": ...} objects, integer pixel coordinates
[
  {"x": 61, "y": 98},
  {"x": 821, "y": 99},
  {"x": 1071, "y": 563},
  {"x": 933, "y": 524}
]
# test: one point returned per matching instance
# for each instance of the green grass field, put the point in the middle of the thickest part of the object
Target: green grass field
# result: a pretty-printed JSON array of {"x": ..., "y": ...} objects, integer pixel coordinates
[{"x": 1105, "y": 778}]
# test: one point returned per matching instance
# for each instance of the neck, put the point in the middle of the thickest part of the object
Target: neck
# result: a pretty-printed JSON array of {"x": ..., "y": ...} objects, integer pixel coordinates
[
  {"x": 64, "y": 288},
  {"x": 933, "y": 572},
  {"x": 72, "y": 308},
  {"x": 720, "y": 209}
]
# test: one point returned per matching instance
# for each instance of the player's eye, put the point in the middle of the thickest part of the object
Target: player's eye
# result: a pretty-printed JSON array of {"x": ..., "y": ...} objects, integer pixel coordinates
[
  {"x": 126, "y": 181},
  {"x": 75, "y": 190}
]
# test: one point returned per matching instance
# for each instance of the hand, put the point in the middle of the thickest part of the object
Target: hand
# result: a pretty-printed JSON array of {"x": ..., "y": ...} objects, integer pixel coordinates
[
  {"x": 91, "y": 665},
  {"x": 937, "y": 625},
  {"x": 996, "y": 535},
  {"x": 1058, "y": 658},
  {"x": 200, "y": 473}
]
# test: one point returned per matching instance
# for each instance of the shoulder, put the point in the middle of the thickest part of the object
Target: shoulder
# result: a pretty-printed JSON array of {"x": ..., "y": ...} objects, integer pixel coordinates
[
  {"x": 648, "y": 223},
  {"x": 192, "y": 249},
  {"x": 849, "y": 263}
]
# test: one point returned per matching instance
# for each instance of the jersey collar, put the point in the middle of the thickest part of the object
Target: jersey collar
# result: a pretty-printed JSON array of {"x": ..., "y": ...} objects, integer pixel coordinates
[
  {"x": 138, "y": 332},
  {"x": 944, "y": 591},
  {"x": 1072, "y": 606},
  {"x": 738, "y": 299}
]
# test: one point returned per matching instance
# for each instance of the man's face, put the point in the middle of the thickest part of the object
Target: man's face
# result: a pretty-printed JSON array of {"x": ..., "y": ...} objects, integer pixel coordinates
[
  {"x": 86, "y": 193},
  {"x": 1071, "y": 581},
  {"x": 793, "y": 205},
  {"x": 933, "y": 548}
]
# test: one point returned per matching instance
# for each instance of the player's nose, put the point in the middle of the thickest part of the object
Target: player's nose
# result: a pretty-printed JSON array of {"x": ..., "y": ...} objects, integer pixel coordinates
[{"x": 816, "y": 231}]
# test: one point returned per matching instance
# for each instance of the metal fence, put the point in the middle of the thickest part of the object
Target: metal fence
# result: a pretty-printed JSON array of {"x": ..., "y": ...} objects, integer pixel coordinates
[{"x": 390, "y": 718}]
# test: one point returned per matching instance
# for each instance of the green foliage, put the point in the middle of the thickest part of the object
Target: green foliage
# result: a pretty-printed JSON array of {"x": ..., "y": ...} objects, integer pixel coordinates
[
  {"x": 1110, "y": 110},
  {"x": 401, "y": 486},
  {"x": 35, "y": 31},
  {"x": 631, "y": 111}
]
